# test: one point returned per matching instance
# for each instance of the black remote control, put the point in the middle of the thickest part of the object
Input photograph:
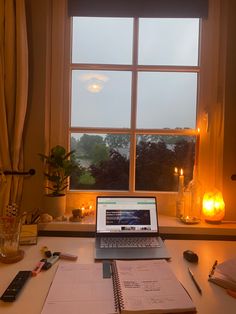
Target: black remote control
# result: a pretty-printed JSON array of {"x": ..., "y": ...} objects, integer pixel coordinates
[{"x": 15, "y": 286}]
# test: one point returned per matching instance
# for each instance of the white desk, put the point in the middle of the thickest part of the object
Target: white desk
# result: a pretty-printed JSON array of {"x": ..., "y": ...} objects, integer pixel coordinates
[{"x": 213, "y": 300}]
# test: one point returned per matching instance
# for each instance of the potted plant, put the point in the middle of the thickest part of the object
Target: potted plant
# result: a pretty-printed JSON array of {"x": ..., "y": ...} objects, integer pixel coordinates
[{"x": 58, "y": 166}]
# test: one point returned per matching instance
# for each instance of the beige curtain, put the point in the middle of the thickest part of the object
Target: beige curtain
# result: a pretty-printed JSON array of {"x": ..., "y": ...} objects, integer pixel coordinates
[{"x": 13, "y": 97}]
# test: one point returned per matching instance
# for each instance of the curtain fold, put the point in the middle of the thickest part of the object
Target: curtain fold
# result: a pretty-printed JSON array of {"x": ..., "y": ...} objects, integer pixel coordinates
[{"x": 13, "y": 97}]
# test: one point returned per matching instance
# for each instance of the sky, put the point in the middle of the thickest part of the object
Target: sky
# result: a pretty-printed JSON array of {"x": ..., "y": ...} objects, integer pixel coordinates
[{"x": 164, "y": 99}]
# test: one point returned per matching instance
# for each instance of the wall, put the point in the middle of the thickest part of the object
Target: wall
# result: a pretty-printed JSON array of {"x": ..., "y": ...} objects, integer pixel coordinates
[{"x": 229, "y": 157}]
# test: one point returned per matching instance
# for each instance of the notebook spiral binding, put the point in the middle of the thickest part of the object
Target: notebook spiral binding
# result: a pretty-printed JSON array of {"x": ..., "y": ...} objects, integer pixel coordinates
[{"x": 118, "y": 298}]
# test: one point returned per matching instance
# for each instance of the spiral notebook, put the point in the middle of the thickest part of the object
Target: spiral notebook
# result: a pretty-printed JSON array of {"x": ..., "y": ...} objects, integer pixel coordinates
[
  {"x": 143, "y": 286},
  {"x": 224, "y": 274}
]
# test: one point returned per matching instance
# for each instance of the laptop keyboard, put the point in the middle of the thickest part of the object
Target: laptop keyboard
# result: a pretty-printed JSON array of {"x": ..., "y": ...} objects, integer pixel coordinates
[{"x": 129, "y": 242}]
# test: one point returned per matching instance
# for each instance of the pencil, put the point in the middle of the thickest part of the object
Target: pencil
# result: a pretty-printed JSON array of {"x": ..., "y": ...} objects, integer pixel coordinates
[{"x": 194, "y": 281}]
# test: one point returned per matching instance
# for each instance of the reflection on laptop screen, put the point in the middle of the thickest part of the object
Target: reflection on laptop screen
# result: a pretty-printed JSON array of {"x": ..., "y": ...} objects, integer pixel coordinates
[{"x": 126, "y": 214}]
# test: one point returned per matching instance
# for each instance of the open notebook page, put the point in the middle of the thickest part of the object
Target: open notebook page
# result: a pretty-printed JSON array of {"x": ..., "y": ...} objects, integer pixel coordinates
[
  {"x": 79, "y": 288},
  {"x": 150, "y": 286}
]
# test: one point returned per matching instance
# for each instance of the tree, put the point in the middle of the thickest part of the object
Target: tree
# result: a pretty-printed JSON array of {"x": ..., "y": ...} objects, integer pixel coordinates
[
  {"x": 87, "y": 143},
  {"x": 100, "y": 152},
  {"x": 154, "y": 167},
  {"x": 184, "y": 157},
  {"x": 73, "y": 144},
  {"x": 112, "y": 174},
  {"x": 117, "y": 140}
]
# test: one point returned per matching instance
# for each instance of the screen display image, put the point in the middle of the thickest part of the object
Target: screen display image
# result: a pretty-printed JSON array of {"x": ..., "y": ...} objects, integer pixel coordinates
[
  {"x": 128, "y": 217},
  {"x": 134, "y": 214}
]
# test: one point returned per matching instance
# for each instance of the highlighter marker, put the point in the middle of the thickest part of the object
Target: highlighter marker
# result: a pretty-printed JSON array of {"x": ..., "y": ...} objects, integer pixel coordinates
[
  {"x": 38, "y": 268},
  {"x": 50, "y": 261},
  {"x": 46, "y": 251},
  {"x": 53, "y": 259}
]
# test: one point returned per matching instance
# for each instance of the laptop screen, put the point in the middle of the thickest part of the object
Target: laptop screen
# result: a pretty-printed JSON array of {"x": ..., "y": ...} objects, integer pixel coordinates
[{"x": 126, "y": 215}]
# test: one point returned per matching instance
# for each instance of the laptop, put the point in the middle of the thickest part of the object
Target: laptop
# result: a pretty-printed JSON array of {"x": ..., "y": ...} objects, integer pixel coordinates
[{"x": 127, "y": 228}]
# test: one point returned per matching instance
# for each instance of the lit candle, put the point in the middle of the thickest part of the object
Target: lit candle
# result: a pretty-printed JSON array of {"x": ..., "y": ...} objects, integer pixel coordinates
[
  {"x": 83, "y": 210},
  {"x": 181, "y": 179},
  {"x": 176, "y": 178},
  {"x": 180, "y": 196}
]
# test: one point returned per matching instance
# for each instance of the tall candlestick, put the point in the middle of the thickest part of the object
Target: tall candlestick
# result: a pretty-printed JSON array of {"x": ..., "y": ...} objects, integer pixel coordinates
[
  {"x": 180, "y": 196},
  {"x": 181, "y": 178}
]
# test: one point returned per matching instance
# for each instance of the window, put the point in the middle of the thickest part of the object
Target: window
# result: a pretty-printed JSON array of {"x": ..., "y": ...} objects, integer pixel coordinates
[{"x": 134, "y": 86}]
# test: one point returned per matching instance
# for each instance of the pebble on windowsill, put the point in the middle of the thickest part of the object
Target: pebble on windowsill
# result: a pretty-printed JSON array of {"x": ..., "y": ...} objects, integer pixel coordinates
[{"x": 44, "y": 218}]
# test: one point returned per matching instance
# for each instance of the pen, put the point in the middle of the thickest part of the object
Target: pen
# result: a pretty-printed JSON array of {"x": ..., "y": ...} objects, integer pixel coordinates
[
  {"x": 194, "y": 281},
  {"x": 213, "y": 268}
]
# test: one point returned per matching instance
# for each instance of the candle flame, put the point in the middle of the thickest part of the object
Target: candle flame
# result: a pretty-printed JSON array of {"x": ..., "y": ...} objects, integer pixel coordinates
[
  {"x": 176, "y": 170},
  {"x": 181, "y": 171}
]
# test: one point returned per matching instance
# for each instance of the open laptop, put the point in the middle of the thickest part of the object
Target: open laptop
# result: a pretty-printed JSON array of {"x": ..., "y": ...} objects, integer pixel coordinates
[{"x": 127, "y": 228}]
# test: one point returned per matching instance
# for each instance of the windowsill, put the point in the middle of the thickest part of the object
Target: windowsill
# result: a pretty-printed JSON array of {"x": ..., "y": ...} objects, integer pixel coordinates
[{"x": 170, "y": 227}]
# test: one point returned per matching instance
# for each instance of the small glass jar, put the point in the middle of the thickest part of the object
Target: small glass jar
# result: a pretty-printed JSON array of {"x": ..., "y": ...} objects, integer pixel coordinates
[{"x": 193, "y": 200}]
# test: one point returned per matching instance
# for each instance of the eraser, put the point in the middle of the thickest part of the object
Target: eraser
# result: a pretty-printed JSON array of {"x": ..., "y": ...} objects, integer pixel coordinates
[{"x": 68, "y": 256}]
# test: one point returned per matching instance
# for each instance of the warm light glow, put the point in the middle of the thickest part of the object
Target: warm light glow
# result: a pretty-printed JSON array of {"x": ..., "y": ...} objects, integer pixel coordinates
[
  {"x": 181, "y": 171},
  {"x": 94, "y": 81},
  {"x": 176, "y": 170},
  {"x": 87, "y": 206},
  {"x": 198, "y": 130},
  {"x": 94, "y": 87},
  {"x": 213, "y": 206}
]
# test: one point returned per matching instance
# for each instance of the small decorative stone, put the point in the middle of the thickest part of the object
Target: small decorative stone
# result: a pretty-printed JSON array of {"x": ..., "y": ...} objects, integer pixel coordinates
[
  {"x": 61, "y": 218},
  {"x": 75, "y": 219},
  {"x": 46, "y": 218},
  {"x": 77, "y": 212}
]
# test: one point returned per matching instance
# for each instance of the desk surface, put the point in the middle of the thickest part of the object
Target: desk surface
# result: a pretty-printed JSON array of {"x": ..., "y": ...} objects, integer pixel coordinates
[{"x": 214, "y": 299}]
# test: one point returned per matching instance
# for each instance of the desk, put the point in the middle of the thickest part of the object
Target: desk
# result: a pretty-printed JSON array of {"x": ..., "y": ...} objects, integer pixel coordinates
[{"x": 213, "y": 300}]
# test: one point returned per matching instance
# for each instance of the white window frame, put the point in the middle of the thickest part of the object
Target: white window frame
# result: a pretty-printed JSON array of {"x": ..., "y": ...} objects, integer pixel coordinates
[{"x": 209, "y": 111}]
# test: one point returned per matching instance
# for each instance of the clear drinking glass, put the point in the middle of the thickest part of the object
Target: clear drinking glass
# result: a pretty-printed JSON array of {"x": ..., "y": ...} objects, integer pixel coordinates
[{"x": 10, "y": 228}]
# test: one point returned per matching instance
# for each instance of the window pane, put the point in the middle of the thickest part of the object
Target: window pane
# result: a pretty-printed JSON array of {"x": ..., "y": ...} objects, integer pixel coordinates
[
  {"x": 168, "y": 42},
  {"x": 166, "y": 100},
  {"x": 103, "y": 160},
  {"x": 157, "y": 156},
  {"x": 101, "y": 99},
  {"x": 102, "y": 40}
]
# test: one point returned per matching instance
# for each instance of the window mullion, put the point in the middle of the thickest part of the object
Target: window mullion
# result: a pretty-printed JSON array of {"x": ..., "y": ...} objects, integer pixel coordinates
[{"x": 133, "y": 108}]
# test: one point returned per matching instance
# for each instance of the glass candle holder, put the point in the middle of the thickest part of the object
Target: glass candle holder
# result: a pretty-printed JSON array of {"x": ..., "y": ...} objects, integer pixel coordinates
[
  {"x": 10, "y": 228},
  {"x": 193, "y": 201}
]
